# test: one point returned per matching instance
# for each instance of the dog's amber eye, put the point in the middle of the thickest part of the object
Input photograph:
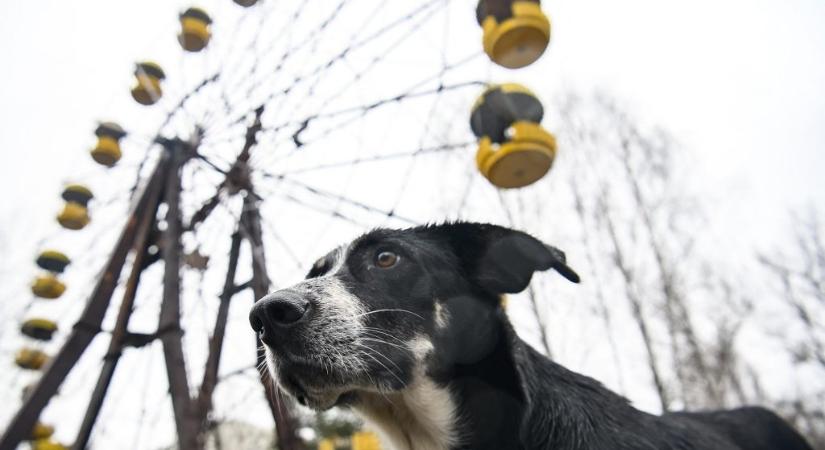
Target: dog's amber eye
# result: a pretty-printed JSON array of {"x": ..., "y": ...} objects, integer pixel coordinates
[{"x": 385, "y": 259}]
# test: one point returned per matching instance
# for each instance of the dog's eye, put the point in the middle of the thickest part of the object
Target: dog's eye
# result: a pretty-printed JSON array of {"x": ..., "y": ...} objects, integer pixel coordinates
[{"x": 386, "y": 259}]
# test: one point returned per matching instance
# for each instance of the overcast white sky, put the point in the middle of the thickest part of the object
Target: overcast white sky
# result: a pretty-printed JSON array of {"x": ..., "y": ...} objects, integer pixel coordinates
[{"x": 740, "y": 83}]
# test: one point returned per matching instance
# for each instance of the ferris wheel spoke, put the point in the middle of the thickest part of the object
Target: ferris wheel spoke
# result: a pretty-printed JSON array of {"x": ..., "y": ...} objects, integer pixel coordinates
[
  {"x": 354, "y": 113},
  {"x": 331, "y": 212},
  {"x": 330, "y": 195},
  {"x": 244, "y": 87},
  {"x": 343, "y": 53},
  {"x": 468, "y": 187},
  {"x": 366, "y": 108},
  {"x": 437, "y": 149},
  {"x": 168, "y": 118},
  {"x": 233, "y": 57},
  {"x": 358, "y": 74},
  {"x": 181, "y": 103},
  {"x": 272, "y": 231},
  {"x": 299, "y": 125}
]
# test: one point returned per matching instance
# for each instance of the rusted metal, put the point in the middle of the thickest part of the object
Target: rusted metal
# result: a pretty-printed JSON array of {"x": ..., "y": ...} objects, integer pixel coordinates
[
  {"x": 213, "y": 360},
  {"x": 169, "y": 330},
  {"x": 120, "y": 333},
  {"x": 21, "y": 425}
]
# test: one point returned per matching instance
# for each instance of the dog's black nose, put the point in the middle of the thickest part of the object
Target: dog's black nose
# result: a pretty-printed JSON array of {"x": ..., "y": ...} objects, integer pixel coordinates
[{"x": 277, "y": 310}]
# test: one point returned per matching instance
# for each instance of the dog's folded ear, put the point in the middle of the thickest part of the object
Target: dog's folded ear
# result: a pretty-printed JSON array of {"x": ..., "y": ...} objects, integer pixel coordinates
[
  {"x": 511, "y": 257},
  {"x": 504, "y": 260}
]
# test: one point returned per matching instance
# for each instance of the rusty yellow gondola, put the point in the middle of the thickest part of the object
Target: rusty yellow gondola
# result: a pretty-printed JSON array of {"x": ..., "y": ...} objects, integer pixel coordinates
[
  {"x": 75, "y": 214},
  {"x": 514, "y": 150},
  {"x": 148, "y": 89},
  {"x": 77, "y": 193},
  {"x": 516, "y": 32},
  {"x": 48, "y": 287},
  {"x": 29, "y": 358},
  {"x": 39, "y": 329},
  {"x": 47, "y": 444},
  {"x": 53, "y": 261},
  {"x": 524, "y": 159},
  {"x": 499, "y": 106},
  {"x": 41, "y": 431},
  {"x": 246, "y": 3},
  {"x": 195, "y": 33},
  {"x": 107, "y": 150}
]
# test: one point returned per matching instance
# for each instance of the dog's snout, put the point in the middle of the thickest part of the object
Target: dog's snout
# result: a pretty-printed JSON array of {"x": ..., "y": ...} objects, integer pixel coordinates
[{"x": 278, "y": 310}]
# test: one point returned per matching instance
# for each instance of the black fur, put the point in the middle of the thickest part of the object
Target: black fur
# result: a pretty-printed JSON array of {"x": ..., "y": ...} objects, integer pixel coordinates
[{"x": 508, "y": 395}]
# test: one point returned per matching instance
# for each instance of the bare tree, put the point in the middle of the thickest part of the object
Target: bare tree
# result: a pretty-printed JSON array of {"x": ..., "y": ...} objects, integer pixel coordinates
[
  {"x": 626, "y": 198},
  {"x": 800, "y": 272},
  {"x": 633, "y": 297},
  {"x": 671, "y": 308}
]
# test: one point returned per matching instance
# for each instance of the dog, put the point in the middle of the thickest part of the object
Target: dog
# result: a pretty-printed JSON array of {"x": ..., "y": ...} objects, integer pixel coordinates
[{"x": 407, "y": 328}]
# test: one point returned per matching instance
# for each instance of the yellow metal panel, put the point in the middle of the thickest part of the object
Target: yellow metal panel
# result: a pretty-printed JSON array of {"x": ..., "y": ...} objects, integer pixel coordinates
[
  {"x": 46, "y": 444},
  {"x": 519, "y": 40},
  {"x": 32, "y": 359},
  {"x": 42, "y": 431},
  {"x": 524, "y": 159},
  {"x": 74, "y": 216},
  {"x": 194, "y": 35},
  {"x": 48, "y": 286},
  {"x": 107, "y": 151}
]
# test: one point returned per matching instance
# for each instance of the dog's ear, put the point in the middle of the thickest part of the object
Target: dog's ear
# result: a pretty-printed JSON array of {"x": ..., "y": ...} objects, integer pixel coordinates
[{"x": 503, "y": 260}]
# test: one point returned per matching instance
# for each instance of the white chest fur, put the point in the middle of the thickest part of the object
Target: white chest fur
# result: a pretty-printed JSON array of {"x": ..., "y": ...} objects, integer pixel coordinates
[{"x": 422, "y": 416}]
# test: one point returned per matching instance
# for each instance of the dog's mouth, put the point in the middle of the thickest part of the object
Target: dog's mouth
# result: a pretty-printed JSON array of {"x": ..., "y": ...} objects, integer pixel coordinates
[
  {"x": 321, "y": 375},
  {"x": 312, "y": 384},
  {"x": 311, "y": 397},
  {"x": 318, "y": 398}
]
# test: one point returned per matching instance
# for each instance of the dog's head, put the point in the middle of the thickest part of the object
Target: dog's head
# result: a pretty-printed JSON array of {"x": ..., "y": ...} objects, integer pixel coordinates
[{"x": 393, "y": 304}]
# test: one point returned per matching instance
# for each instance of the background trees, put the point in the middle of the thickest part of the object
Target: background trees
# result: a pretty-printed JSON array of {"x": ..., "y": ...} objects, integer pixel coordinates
[{"x": 669, "y": 313}]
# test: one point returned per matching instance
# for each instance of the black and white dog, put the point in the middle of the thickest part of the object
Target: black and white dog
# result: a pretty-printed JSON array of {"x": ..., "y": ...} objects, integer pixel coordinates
[{"x": 407, "y": 328}]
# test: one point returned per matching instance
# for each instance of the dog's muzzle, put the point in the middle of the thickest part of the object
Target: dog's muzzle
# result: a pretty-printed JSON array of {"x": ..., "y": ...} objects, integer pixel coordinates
[{"x": 301, "y": 361}]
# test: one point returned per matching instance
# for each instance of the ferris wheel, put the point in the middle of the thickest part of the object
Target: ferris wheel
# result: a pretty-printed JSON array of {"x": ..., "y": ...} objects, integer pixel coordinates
[{"x": 262, "y": 133}]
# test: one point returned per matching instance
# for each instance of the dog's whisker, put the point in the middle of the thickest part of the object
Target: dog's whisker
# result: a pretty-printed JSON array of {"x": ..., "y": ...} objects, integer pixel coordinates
[
  {"x": 383, "y": 332},
  {"x": 380, "y": 389},
  {"x": 376, "y": 352},
  {"x": 383, "y": 365},
  {"x": 367, "y": 330},
  {"x": 380, "y": 341},
  {"x": 386, "y": 310}
]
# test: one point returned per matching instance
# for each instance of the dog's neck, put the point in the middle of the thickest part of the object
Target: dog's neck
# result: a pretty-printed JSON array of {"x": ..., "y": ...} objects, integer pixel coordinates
[
  {"x": 567, "y": 410},
  {"x": 421, "y": 417},
  {"x": 467, "y": 406},
  {"x": 490, "y": 404}
]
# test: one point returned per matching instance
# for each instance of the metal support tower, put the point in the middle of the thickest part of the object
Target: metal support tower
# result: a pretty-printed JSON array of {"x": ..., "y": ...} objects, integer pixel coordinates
[{"x": 191, "y": 414}]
